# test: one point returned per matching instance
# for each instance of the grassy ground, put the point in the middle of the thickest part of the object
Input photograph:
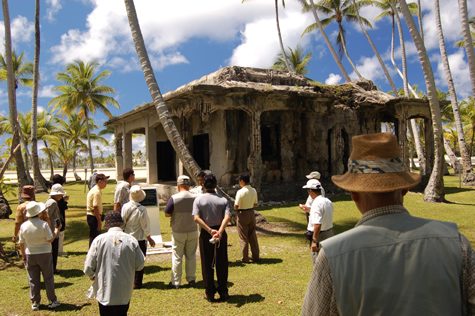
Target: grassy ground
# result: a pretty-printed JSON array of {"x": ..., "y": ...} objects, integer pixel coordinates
[{"x": 274, "y": 286}]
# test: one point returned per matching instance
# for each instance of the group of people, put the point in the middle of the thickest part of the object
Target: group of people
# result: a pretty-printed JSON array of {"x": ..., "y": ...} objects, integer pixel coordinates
[
  {"x": 39, "y": 229},
  {"x": 391, "y": 263}
]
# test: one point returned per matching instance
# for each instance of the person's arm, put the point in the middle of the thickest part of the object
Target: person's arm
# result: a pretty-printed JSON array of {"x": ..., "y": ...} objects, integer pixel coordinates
[
  {"x": 203, "y": 225},
  {"x": 15, "y": 232},
  {"x": 316, "y": 232},
  {"x": 169, "y": 208},
  {"x": 98, "y": 217},
  {"x": 145, "y": 223},
  {"x": 237, "y": 200},
  {"x": 23, "y": 253},
  {"x": 223, "y": 226},
  {"x": 90, "y": 263},
  {"x": 55, "y": 234}
]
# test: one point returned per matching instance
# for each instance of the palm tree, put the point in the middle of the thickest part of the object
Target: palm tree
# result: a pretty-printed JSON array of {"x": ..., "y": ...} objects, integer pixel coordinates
[
  {"x": 325, "y": 37},
  {"x": 47, "y": 129},
  {"x": 471, "y": 23},
  {"x": 468, "y": 41},
  {"x": 22, "y": 70},
  {"x": 83, "y": 93},
  {"x": 467, "y": 110},
  {"x": 8, "y": 65},
  {"x": 434, "y": 191},
  {"x": 165, "y": 118},
  {"x": 64, "y": 150},
  {"x": 298, "y": 63},
  {"x": 468, "y": 174},
  {"x": 339, "y": 10}
]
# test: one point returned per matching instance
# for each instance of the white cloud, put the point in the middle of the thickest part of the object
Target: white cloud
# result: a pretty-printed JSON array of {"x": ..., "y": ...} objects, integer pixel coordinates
[
  {"x": 47, "y": 92},
  {"x": 55, "y": 6},
  {"x": 369, "y": 68},
  {"x": 22, "y": 30},
  {"x": 460, "y": 74},
  {"x": 333, "y": 79},
  {"x": 138, "y": 143}
]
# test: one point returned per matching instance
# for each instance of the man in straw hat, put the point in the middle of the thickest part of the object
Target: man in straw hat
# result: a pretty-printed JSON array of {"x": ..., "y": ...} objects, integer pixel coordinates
[
  {"x": 391, "y": 263},
  {"x": 184, "y": 233},
  {"x": 111, "y": 263},
  {"x": 137, "y": 224}
]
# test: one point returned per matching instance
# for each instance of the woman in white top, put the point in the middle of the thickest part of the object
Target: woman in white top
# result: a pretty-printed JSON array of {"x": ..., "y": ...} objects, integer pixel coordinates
[{"x": 35, "y": 239}]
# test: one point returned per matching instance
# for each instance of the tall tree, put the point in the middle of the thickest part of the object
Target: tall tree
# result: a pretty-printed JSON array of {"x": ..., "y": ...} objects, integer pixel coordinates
[
  {"x": 8, "y": 66},
  {"x": 468, "y": 174},
  {"x": 165, "y": 118},
  {"x": 298, "y": 61},
  {"x": 471, "y": 22},
  {"x": 339, "y": 11},
  {"x": 434, "y": 192},
  {"x": 47, "y": 129},
  {"x": 468, "y": 41},
  {"x": 82, "y": 92},
  {"x": 325, "y": 37},
  {"x": 40, "y": 181}
]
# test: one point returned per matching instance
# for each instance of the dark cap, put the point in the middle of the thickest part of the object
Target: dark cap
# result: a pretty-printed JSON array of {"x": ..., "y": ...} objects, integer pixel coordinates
[
  {"x": 113, "y": 219},
  {"x": 57, "y": 178},
  {"x": 101, "y": 176},
  {"x": 28, "y": 192},
  {"x": 210, "y": 181}
]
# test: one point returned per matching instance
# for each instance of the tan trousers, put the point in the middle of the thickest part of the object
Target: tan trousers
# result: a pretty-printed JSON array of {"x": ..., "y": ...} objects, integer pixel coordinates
[{"x": 246, "y": 224}]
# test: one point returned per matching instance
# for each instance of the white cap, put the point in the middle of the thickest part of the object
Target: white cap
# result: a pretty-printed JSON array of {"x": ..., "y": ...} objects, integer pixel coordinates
[
  {"x": 312, "y": 184},
  {"x": 183, "y": 180},
  {"x": 313, "y": 175}
]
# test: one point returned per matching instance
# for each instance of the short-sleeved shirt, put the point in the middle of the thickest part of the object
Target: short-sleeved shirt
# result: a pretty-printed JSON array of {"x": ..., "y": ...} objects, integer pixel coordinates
[
  {"x": 53, "y": 211},
  {"x": 246, "y": 197},
  {"x": 35, "y": 233},
  {"x": 197, "y": 190},
  {"x": 321, "y": 213},
  {"x": 211, "y": 207},
  {"x": 180, "y": 207},
  {"x": 94, "y": 198},
  {"x": 122, "y": 193},
  {"x": 136, "y": 220},
  {"x": 21, "y": 215}
]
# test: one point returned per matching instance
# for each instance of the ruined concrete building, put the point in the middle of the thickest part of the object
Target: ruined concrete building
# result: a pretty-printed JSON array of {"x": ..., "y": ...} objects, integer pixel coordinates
[{"x": 272, "y": 124}]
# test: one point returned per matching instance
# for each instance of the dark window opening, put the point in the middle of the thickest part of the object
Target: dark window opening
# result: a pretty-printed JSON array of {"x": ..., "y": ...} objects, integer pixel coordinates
[
  {"x": 165, "y": 161},
  {"x": 201, "y": 150},
  {"x": 270, "y": 142}
]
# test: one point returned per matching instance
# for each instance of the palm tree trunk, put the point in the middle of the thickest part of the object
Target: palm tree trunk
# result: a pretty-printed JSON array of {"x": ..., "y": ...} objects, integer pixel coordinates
[
  {"x": 169, "y": 126},
  {"x": 468, "y": 174},
  {"x": 51, "y": 164},
  {"x": 434, "y": 191},
  {"x": 468, "y": 41},
  {"x": 453, "y": 159},
  {"x": 329, "y": 44},
  {"x": 280, "y": 37},
  {"x": 381, "y": 62},
  {"x": 20, "y": 167},
  {"x": 419, "y": 17},
  {"x": 89, "y": 141},
  {"x": 343, "y": 42},
  {"x": 76, "y": 176},
  {"x": 40, "y": 181}
]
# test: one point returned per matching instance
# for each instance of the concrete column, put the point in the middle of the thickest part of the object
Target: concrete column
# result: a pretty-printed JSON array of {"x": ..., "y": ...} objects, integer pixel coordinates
[
  {"x": 128, "y": 150},
  {"x": 119, "y": 159},
  {"x": 151, "y": 147},
  {"x": 402, "y": 139},
  {"x": 255, "y": 157}
]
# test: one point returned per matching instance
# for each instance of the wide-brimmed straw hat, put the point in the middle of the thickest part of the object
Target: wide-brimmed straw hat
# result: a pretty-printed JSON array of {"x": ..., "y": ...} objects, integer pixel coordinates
[
  {"x": 137, "y": 194},
  {"x": 34, "y": 208},
  {"x": 375, "y": 165}
]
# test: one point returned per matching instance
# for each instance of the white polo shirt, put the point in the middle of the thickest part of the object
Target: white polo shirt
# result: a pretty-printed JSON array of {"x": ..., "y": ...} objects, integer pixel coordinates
[
  {"x": 246, "y": 197},
  {"x": 321, "y": 213}
]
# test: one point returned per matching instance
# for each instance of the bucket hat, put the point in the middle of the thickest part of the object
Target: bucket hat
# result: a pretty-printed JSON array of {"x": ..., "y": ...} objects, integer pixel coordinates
[
  {"x": 113, "y": 219},
  {"x": 34, "y": 208},
  {"x": 57, "y": 189},
  {"x": 376, "y": 166},
  {"x": 137, "y": 194},
  {"x": 28, "y": 192}
]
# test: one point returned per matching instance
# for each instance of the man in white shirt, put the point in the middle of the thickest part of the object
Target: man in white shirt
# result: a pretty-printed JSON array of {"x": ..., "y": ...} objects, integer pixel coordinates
[
  {"x": 321, "y": 216},
  {"x": 111, "y": 263},
  {"x": 122, "y": 190},
  {"x": 246, "y": 200}
]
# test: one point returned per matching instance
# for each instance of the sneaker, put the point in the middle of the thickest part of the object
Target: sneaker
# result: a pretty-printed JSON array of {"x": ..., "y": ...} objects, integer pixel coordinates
[
  {"x": 173, "y": 286},
  {"x": 54, "y": 304},
  {"x": 35, "y": 306},
  {"x": 63, "y": 253},
  {"x": 192, "y": 283}
]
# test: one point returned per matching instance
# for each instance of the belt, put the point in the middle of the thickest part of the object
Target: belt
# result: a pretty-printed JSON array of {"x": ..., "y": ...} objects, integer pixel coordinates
[
  {"x": 245, "y": 210},
  {"x": 324, "y": 231}
]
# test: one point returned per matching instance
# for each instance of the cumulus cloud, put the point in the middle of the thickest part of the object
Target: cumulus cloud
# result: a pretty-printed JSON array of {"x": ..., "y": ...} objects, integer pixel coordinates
[
  {"x": 369, "y": 68},
  {"x": 333, "y": 79},
  {"x": 47, "y": 91},
  {"x": 55, "y": 6},
  {"x": 460, "y": 73},
  {"x": 22, "y": 30}
]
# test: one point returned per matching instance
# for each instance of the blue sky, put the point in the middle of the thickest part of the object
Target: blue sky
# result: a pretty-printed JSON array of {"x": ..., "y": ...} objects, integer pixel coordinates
[{"x": 189, "y": 39}]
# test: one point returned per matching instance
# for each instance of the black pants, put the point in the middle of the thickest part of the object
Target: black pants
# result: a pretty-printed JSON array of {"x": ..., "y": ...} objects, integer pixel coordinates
[
  {"x": 93, "y": 232},
  {"x": 207, "y": 254},
  {"x": 54, "y": 251},
  {"x": 113, "y": 310},
  {"x": 139, "y": 274}
]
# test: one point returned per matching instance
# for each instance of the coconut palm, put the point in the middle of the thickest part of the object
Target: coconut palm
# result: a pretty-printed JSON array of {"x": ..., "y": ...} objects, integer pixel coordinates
[
  {"x": 467, "y": 111},
  {"x": 47, "y": 129},
  {"x": 165, "y": 118},
  {"x": 468, "y": 174},
  {"x": 82, "y": 92},
  {"x": 22, "y": 70},
  {"x": 64, "y": 150},
  {"x": 468, "y": 41},
  {"x": 434, "y": 192},
  {"x": 339, "y": 11},
  {"x": 298, "y": 62},
  {"x": 312, "y": 8}
]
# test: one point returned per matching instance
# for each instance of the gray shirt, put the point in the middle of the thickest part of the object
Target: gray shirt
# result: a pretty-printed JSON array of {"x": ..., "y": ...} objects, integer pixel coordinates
[
  {"x": 53, "y": 211},
  {"x": 180, "y": 206},
  {"x": 211, "y": 207},
  {"x": 113, "y": 259}
]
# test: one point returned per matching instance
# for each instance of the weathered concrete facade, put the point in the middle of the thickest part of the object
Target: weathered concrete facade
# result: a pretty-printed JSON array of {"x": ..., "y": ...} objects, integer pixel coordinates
[{"x": 271, "y": 124}]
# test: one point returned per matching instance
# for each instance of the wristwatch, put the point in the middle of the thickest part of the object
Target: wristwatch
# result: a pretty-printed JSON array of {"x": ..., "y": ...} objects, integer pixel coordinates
[{"x": 209, "y": 231}]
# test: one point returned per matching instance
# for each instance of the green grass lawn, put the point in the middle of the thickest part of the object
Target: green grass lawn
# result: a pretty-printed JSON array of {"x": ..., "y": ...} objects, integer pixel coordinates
[{"x": 274, "y": 286}]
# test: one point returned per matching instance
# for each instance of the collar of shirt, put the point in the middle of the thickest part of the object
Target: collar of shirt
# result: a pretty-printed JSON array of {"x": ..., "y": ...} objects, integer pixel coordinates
[
  {"x": 391, "y": 209},
  {"x": 115, "y": 229}
]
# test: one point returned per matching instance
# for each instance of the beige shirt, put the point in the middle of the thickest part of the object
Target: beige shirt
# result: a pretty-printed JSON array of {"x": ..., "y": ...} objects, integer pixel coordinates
[
  {"x": 94, "y": 198},
  {"x": 246, "y": 197}
]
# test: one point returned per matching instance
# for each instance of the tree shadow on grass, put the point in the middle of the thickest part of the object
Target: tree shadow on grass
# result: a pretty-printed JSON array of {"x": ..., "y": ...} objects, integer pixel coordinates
[
  {"x": 453, "y": 190},
  {"x": 262, "y": 261},
  {"x": 240, "y": 300},
  {"x": 151, "y": 269},
  {"x": 71, "y": 273}
]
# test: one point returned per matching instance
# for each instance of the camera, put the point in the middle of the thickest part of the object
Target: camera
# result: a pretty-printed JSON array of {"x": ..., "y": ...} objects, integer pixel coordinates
[
  {"x": 57, "y": 222},
  {"x": 212, "y": 241}
]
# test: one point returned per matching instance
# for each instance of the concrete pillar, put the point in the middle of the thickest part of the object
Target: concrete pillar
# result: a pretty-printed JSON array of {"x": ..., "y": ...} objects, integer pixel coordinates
[
  {"x": 151, "y": 147},
  {"x": 119, "y": 159},
  {"x": 255, "y": 157},
  {"x": 402, "y": 138},
  {"x": 128, "y": 150}
]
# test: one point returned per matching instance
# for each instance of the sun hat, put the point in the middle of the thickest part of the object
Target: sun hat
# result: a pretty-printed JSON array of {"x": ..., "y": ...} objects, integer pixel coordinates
[
  {"x": 57, "y": 189},
  {"x": 34, "y": 208},
  {"x": 312, "y": 184},
  {"x": 375, "y": 165},
  {"x": 28, "y": 192},
  {"x": 183, "y": 180},
  {"x": 137, "y": 194},
  {"x": 101, "y": 176},
  {"x": 113, "y": 219},
  {"x": 313, "y": 175}
]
